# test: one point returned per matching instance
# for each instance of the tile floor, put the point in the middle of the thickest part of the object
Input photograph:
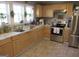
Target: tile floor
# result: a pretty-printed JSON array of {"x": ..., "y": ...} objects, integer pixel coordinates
[{"x": 47, "y": 48}]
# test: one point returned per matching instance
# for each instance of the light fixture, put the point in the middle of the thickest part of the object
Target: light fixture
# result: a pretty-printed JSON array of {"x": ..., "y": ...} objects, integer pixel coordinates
[{"x": 64, "y": 10}]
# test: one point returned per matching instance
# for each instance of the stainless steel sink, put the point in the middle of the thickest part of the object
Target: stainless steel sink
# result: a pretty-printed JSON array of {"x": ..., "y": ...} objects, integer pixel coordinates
[{"x": 19, "y": 30}]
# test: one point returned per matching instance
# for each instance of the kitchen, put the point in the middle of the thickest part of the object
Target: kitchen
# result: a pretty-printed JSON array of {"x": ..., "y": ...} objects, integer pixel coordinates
[{"x": 39, "y": 28}]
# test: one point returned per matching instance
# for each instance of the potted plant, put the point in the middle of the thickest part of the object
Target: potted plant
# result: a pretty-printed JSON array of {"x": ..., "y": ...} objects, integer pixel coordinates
[
  {"x": 2, "y": 17},
  {"x": 12, "y": 13},
  {"x": 25, "y": 13}
]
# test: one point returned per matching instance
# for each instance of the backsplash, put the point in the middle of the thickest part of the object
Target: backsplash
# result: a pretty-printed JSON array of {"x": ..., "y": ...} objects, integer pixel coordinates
[
  {"x": 47, "y": 20},
  {"x": 50, "y": 20}
]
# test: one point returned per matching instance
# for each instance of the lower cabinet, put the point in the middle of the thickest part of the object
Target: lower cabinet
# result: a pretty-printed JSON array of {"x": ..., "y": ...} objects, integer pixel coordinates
[
  {"x": 16, "y": 45},
  {"x": 46, "y": 32},
  {"x": 28, "y": 39},
  {"x": 67, "y": 33},
  {"x": 34, "y": 36},
  {"x": 38, "y": 34},
  {"x": 25, "y": 40},
  {"x": 6, "y": 49},
  {"x": 19, "y": 43},
  {"x": 22, "y": 42}
]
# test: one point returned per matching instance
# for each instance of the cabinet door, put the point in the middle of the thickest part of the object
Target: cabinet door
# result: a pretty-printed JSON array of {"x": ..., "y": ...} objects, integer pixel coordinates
[
  {"x": 67, "y": 33},
  {"x": 33, "y": 36},
  {"x": 19, "y": 44},
  {"x": 28, "y": 39},
  {"x": 6, "y": 49},
  {"x": 36, "y": 35},
  {"x": 46, "y": 33},
  {"x": 39, "y": 33},
  {"x": 38, "y": 11},
  {"x": 17, "y": 47},
  {"x": 47, "y": 11},
  {"x": 69, "y": 9}
]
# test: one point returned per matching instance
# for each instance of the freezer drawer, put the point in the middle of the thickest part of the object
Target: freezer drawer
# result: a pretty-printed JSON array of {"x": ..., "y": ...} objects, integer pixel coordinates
[{"x": 74, "y": 41}]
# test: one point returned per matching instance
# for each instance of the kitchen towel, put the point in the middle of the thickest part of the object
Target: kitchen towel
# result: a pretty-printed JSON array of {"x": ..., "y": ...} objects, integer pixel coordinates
[{"x": 56, "y": 30}]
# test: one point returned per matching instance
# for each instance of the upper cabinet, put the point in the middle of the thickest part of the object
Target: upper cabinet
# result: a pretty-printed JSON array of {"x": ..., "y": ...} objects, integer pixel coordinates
[
  {"x": 48, "y": 10},
  {"x": 38, "y": 10},
  {"x": 69, "y": 9}
]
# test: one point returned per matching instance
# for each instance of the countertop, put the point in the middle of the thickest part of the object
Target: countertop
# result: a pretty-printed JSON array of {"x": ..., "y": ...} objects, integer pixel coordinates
[{"x": 10, "y": 34}]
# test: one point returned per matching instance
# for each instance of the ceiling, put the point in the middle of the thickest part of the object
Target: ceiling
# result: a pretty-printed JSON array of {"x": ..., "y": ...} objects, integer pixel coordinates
[
  {"x": 51, "y": 2},
  {"x": 45, "y": 2}
]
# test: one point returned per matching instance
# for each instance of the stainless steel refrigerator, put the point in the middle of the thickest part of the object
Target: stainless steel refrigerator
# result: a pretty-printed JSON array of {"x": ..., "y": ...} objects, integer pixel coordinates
[{"x": 74, "y": 37}]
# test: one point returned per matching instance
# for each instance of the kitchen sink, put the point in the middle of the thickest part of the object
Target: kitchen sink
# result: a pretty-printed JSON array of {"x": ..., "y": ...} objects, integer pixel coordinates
[{"x": 19, "y": 30}]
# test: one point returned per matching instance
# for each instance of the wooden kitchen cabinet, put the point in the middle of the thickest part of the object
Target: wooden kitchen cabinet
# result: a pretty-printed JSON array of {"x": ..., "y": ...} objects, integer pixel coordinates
[
  {"x": 28, "y": 36},
  {"x": 22, "y": 42},
  {"x": 39, "y": 33},
  {"x": 46, "y": 32},
  {"x": 19, "y": 43},
  {"x": 47, "y": 11},
  {"x": 67, "y": 33},
  {"x": 41, "y": 30},
  {"x": 38, "y": 10},
  {"x": 69, "y": 9},
  {"x": 34, "y": 36},
  {"x": 6, "y": 49},
  {"x": 43, "y": 11},
  {"x": 16, "y": 45}
]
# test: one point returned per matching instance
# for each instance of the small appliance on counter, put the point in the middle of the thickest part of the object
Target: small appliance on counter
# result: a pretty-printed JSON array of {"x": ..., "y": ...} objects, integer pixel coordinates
[{"x": 41, "y": 21}]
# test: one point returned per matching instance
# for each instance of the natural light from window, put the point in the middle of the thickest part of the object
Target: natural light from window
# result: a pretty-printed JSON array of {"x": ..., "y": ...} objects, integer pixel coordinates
[
  {"x": 3, "y": 13},
  {"x": 30, "y": 14},
  {"x": 18, "y": 13}
]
